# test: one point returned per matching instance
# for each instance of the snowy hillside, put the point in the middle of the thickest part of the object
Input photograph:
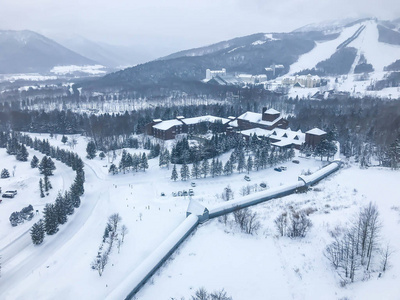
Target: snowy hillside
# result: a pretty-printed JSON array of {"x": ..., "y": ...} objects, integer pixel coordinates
[
  {"x": 257, "y": 265},
  {"x": 377, "y": 53}
]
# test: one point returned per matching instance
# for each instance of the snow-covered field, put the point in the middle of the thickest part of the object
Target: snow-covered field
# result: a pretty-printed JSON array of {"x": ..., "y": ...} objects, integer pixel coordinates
[{"x": 217, "y": 256}]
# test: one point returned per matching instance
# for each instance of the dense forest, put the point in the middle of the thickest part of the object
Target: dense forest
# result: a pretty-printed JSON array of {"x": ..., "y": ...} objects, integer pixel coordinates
[{"x": 363, "y": 125}]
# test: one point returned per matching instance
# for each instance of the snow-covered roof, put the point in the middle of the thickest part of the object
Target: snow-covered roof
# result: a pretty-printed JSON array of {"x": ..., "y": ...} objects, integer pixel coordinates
[
  {"x": 165, "y": 125},
  {"x": 316, "y": 131},
  {"x": 271, "y": 111},
  {"x": 257, "y": 118},
  {"x": 234, "y": 123},
  {"x": 285, "y": 137},
  {"x": 195, "y": 208},
  {"x": 207, "y": 118}
]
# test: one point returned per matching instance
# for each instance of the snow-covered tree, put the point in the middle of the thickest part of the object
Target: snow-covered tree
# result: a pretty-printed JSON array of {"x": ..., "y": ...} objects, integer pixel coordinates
[
  {"x": 41, "y": 188},
  {"x": 22, "y": 153},
  {"x": 34, "y": 162},
  {"x": 5, "y": 173},
  {"x": 174, "y": 175},
  {"x": 196, "y": 173},
  {"x": 50, "y": 219},
  {"x": 37, "y": 233},
  {"x": 91, "y": 150},
  {"x": 205, "y": 168},
  {"x": 185, "y": 172}
]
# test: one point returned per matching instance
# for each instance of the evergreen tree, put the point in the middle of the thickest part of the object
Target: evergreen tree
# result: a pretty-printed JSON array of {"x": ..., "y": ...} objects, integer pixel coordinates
[
  {"x": 91, "y": 150},
  {"x": 47, "y": 184},
  {"x": 50, "y": 219},
  {"x": 69, "y": 204},
  {"x": 144, "y": 163},
  {"x": 113, "y": 169},
  {"x": 46, "y": 166},
  {"x": 167, "y": 158},
  {"x": 185, "y": 172},
  {"x": 61, "y": 209},
  {"x": 37, "y": 233},
  {"x": 41, "y": 188},
  {"x": 102, "y": 155},
  {"x": 205, "y": 168},
  {"x": 123, "y": 162},
  {"x": 5, "y": 173},
  {"x": 22, "y": 153},
  {"x": 75, "y": 199},
  {"x": 64, "y": 139},
  {"x": 213, "y": 169},
  {"x": 227, "y": 167},
  {"x": 174, "y": 175},
  {"x": 34, "y": 162},
  {"x": 249, "y": 164},
  {"x": 196, "y": 170},
  {"x": 241, "y": 161}
]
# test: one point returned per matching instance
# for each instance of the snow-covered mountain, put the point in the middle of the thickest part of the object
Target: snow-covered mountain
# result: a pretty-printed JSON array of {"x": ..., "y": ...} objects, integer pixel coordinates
[
  {"x": 365, "y": 51},
  {"x": 29, "y": 52}
]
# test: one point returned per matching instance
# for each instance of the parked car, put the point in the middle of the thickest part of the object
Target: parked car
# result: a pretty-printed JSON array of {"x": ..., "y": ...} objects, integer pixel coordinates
[
  {"x": 193, "y": 184},
  {"x": 162, "y": 194},
  {"x": 174, "y": 194},
  {"x": 282, "y": 168},
  {"x": 184, "y": 193},
  {"x": 278, "y": 169},
  {"x": 247, "y": 178},
  {"x": 263, "y": 185},
  {"x": 8, "y": 195},
  {"x": 191, "y": 193},
  {"x": 12, "y": 192},
  {"x": 295, "y": 161},
  {"x": 180, "y": 193}
]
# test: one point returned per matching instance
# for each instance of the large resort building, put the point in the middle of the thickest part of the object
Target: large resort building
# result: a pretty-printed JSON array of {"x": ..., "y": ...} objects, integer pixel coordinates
[{"x": 268, "y": 124}]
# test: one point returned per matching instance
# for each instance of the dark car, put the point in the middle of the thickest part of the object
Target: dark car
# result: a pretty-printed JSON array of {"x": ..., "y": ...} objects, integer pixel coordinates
[
  {"x": 295, "y": 161},
  {"x": 263, "y": 185},
  {"x": 278, "y": 169}
]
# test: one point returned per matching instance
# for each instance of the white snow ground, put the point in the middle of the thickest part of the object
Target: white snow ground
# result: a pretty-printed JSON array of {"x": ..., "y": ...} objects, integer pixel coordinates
[{"x": 60, "y": 267}]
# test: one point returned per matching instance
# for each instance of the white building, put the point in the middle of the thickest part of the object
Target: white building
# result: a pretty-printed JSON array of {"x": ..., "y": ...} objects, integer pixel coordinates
[{"x": 210, "y": 74}]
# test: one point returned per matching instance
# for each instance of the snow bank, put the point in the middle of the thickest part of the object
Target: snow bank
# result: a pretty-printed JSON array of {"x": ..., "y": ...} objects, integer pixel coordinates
[{"x": 131, "y": 285}]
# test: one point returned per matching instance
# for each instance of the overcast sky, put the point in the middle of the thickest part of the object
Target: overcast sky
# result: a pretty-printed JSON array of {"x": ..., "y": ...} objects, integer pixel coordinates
[{"x": 179, "y": 24}]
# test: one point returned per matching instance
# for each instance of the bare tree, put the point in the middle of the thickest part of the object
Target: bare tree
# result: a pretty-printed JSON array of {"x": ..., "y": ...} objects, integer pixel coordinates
[
  {"x": 124, "y": 231},
  {"x": 113, "y": 220},
  {"x": 385, "y": 255},
  {"x": 247, "y": 221},
  {"x": 281, "y": 223}
]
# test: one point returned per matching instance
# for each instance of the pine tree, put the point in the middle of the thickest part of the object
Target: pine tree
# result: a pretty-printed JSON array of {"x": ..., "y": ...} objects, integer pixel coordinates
[
  {"x": 22, "y": 153},
  {"x": 69, "y": 204},
  {"x": 196, "y": 170},
  {"x": 41, "y": 188},
  {"x": 184, "y": 172},
  {"x": 47, "y": 184},
  {"x": 5, "y": 173},
  {"x": 144, "y": 163},
  {"x": 102, "y": 155},
  {"x": 213, "y": 169},
  {"x": 61, "y": 209},
  {"x": 113, "y": 169},
  {"x": 75, "y": 199},
  {"x": 50, "y": 219},
  {"x": 122, "y": 163},
  {"x": 219, "y": 168},
  {"x": 249, "y": 164},
  {"x": 91, "y": 150},
  {"x": 37, "y": 233},
  {"x": 227, "y": 167},
  {"x": 241, "y": 161},
  {"x": 174, "y": 175},
  {"x": 34, "y": 162},
  {"x": 205, "y": 168},
  {"x": 46, "y": 166},
  {"x": 64, "y": 139}
]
